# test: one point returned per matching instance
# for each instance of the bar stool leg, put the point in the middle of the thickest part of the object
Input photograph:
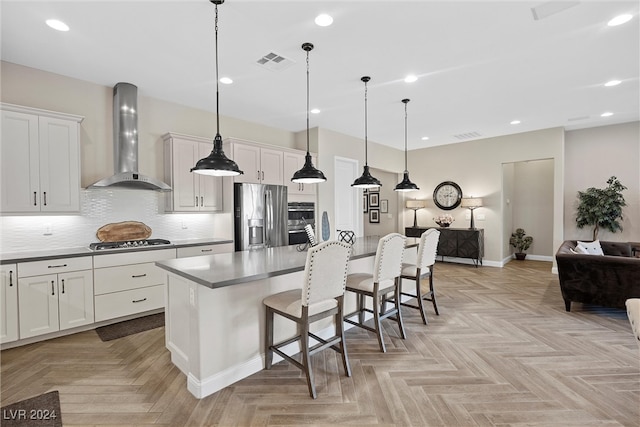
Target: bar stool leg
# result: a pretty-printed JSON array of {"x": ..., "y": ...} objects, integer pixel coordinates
[
  {"x": 433, "y": 294},
  {"x": 306, "y": 359},
  {"x": 376, "y": 319},
  {"x": 397, "y": 304},
  {"x": 268, "y": 342},
  {"x": 343, "y": 344},
  {"x": 420, "y": 299}
]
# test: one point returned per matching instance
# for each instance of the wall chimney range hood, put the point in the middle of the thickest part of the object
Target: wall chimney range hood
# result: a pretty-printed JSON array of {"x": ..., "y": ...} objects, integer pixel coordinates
[{"x": 125, "y": 139}]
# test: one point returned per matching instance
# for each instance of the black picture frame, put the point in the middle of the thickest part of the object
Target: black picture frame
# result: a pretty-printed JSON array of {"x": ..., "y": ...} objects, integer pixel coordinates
[
  {"x": 365, "y": 204},
  {"x": 374, "y": 216},
  {"x": 374, "y": 200}
]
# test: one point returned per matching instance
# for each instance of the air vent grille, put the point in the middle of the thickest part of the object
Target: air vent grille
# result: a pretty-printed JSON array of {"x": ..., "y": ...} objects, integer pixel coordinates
[
  {"x": 275, "y": 62},
  {"x": 467, "y": 135}
]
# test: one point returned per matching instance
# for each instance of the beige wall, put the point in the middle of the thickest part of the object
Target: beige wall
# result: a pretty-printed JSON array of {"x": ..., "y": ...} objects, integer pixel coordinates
[
  {"x": 593, "y": 156},
  {"x": 477, "y": 166},
  {"x": 35, "y": 88}
]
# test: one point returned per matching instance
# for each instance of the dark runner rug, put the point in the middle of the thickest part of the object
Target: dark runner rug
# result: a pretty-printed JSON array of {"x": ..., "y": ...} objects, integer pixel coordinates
[
  {"x": 40, "y": 411},
  {"x": 130, "y": 327}
]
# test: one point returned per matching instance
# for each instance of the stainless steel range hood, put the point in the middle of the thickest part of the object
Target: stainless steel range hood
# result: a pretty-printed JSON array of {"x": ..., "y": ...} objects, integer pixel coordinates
[{"x": 125, "y": 138}]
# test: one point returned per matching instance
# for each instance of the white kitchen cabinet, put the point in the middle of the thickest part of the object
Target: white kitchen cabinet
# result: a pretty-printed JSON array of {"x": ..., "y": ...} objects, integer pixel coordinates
[
  {"x": 8, "y": 303},
  {"x": 129, "y": 283},
  {"x": 40, "y": 161},
  {"x": 60, "y": 300},
  {"x": 260, "y": 165},
  {"x": 219, "y": 248},
  {"x": 191, "y": 192},
  {"x": 293, "y": 162}
]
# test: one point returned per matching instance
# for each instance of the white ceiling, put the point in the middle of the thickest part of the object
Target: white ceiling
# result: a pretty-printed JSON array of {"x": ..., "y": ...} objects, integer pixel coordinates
[{"x": 480, "y": 64}]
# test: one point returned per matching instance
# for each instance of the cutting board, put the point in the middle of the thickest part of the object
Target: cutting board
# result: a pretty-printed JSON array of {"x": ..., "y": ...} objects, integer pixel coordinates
[{"x": 123, "y": 231}]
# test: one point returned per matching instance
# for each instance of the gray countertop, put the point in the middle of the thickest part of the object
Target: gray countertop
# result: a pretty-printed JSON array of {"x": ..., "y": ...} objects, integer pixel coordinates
[
  {"x": 219, "y": 270},
  {"x": 10, "y": 258}
]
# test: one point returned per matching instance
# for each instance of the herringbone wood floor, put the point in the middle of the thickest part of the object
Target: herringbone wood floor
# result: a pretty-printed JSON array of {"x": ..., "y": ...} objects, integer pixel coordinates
[{"x": 503, "y": 352}]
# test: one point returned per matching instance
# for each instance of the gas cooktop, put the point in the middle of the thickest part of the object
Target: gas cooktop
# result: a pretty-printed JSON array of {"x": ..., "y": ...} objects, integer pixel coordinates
[{"x": 131, "y": 244}]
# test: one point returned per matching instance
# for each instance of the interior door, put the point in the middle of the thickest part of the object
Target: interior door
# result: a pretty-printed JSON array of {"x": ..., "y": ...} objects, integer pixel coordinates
[{"x": 347, "y": 200}]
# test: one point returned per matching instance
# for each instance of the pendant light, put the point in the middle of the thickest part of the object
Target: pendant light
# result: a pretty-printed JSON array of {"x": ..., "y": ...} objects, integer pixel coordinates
[
  {"x": 216, "y": 163},
  {"x": 406, "y": 184},
  {"x": 308, "y": 174},
  {"x": 366, "y": 180}
]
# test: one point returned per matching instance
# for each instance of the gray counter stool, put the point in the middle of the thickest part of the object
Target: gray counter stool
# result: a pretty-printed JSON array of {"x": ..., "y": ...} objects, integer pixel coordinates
[
  {"x": 633, "y": 312},
  {"x": 384, "y": 280},
  {"x": 321, "y": 296},
  {"x": 423, "y": 268}
]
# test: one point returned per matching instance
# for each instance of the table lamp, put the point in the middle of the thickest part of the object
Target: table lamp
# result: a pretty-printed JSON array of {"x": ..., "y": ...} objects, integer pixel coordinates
[
  {"x": 471, "y": 203},
  {"x": 415, "y": 205}
]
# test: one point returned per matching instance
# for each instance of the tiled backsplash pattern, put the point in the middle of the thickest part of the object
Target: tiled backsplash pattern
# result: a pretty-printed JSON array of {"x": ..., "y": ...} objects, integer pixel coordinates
[{"x": 104, "y": 206}]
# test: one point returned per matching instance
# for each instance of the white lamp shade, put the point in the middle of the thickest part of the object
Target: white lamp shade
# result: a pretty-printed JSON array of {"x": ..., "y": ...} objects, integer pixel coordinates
[
  {"x": 415, "y": 204},
  {"x": 471, "y": 202}
]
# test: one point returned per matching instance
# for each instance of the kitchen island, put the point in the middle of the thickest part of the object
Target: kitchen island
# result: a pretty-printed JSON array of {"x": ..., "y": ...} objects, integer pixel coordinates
[{"x": 214, "y": 312}]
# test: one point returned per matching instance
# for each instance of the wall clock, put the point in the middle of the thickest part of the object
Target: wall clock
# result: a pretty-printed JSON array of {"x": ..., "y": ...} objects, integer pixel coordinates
[{"x": 447, "y": 195}]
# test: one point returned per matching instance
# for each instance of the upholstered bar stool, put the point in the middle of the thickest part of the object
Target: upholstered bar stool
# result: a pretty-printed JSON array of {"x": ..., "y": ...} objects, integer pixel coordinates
[
  {"x": 633, "y": 312},
  {"x": 321, "y": 296},
  {"x": 423, "y": 268},
  {"x": 384, "y": 280}
]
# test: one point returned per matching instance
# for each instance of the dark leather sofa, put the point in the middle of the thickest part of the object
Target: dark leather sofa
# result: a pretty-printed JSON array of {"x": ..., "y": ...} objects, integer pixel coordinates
[{"x": 607, "y": 280}]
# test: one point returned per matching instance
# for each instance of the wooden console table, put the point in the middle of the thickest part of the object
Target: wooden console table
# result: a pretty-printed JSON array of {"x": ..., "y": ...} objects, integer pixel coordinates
[{"x": 456, "y": 242}]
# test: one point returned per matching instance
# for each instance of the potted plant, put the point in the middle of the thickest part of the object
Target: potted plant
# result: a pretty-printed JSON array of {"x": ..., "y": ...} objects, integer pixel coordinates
[
  {"x": 521, "y": 242},
  {"x": 601, "y": 207}
]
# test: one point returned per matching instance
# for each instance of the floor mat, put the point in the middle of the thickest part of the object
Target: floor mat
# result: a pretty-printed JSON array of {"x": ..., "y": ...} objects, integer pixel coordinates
[{"x": 130, "y": 327}]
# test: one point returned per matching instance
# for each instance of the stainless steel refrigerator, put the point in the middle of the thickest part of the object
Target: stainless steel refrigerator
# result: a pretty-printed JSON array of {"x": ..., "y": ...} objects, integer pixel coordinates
[{"x": 260, "y": 216}]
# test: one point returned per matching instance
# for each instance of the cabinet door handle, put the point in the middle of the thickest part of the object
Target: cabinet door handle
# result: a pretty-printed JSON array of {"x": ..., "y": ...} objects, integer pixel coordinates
[
  {"x": 63, "y": 286},
  {"x": 135, "y": 276},
  {"x": 138, "y": 300},
  {"x": 258, "y": 175},
  {"x": 45, "y": 198},
  {"x": 53, "y": 292},
  {"x": 206, "y": 250},
  {"x": 57, "y": 266},
  {"x": 201, "y": 201},
  {"x": 263, "y": 175},
  {"x": 35, "y": 199},
  {"x": 10, "y": 277},
  {"x": 196, "y": 201}
]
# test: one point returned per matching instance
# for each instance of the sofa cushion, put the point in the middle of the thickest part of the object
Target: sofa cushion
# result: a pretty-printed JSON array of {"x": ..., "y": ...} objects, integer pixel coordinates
[{"x": 590, "y": 248}]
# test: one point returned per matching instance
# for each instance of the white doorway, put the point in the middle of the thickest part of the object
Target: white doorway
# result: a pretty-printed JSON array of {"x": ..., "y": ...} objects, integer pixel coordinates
[{"x": 347, "y": 200}]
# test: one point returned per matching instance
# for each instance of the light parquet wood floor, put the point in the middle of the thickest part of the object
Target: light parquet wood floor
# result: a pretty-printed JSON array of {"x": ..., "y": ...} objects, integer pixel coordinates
[{"x": 503, "y": 352}]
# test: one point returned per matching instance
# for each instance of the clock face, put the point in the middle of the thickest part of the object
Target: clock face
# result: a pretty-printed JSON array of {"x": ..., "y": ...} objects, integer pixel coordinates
[{"x": 447, "y": 195}]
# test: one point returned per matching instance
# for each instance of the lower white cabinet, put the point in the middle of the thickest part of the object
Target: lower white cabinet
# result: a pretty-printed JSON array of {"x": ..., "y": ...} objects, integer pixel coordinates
[
  {"x": 56, "y": 301},
  {"x": 8, "y": 303},
  {"x": 129, "y": 283}
]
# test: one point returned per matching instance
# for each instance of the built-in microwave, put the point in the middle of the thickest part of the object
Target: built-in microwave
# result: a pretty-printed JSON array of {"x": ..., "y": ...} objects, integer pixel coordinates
[{"x": 299, "y": 215}]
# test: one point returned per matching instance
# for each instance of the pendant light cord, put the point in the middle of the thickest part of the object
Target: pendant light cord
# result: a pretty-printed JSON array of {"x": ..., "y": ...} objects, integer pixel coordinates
[
  {"x": 365, "y": 125},
  {"x": 405, "y": 134},
  {"x": 217, "y": 89},
  {"x": 307, "y": 102}
]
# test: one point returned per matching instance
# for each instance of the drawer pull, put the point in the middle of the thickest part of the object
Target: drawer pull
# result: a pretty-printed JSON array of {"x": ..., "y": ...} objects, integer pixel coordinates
[
  {"x": 57, "y": 266},
  {"x": 10, "y": 277},
  {"x": 135, "y": 276},
  {"x": 35, "y": 201},
  {"x": 206, "y": 250},
  {"x": 53, "y": 292},
  {"x": 138, "y": 300},
  {"x": 45, "y": 198},
  {"x": 63, "y": 286}
]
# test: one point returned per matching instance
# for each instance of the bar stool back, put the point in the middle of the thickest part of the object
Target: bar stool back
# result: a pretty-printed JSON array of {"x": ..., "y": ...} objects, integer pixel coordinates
[
  {"x": 427, "y": 251},
  {"x": 385, "y": 279},
  {"x": 321, "y": 296}
]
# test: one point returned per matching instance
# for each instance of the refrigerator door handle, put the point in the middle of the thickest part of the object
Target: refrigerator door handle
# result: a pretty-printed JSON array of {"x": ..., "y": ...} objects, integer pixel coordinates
[{"x": 268, "y": 217}]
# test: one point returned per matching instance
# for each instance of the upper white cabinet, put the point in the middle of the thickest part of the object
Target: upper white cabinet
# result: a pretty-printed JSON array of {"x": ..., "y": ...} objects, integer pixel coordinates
[
  {"x": 191, "y": 192},
  {"x": 293, "y": 162},
  {"x": 260, "y": 165},
  {"x": 8, "y": 303},
  {"x": 39, "y": 160}
]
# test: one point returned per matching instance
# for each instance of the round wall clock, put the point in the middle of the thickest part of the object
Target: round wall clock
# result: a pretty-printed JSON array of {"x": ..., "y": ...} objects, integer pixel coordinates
[{"x": 447, "y": 195}]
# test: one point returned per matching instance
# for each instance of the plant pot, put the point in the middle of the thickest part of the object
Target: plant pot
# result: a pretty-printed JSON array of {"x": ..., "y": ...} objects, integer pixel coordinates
[{"x": 521, "y": 255}]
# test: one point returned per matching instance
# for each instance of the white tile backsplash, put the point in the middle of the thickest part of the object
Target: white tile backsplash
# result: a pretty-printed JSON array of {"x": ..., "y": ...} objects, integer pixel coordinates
[{"x": 103, "y": 206}]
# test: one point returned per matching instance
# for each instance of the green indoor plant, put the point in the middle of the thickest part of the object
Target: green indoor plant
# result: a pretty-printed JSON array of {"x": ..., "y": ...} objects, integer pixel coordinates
[
  {"x": 521, "y": 242},
  {"x": 601, "y": 207}
]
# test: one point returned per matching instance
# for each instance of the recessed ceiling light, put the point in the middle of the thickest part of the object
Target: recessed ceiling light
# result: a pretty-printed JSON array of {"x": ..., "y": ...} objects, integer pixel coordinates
[
  {"x": 425, "y": 138},
  {"x": 607, "y": 114},
  {"x": 57, "y": 25},
  {"x": 225, "y": 80},
  {"x": 619, "y": 20},
  {"x": 315, "y": 111},
  {"x": 612, "y": 83},
  {"x": 410, "y": 78},
  {"x": 515, "y": 122},
  {"x": 323, "y": 20}
]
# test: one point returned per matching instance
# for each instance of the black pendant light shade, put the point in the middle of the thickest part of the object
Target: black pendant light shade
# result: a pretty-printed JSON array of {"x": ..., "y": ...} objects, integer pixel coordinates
[
  {"x": 366, "y": 180},
  {"x": 406, "y": 184},
  {"x": 308, "y": 174},
  {"x": 216, "y": 163}
]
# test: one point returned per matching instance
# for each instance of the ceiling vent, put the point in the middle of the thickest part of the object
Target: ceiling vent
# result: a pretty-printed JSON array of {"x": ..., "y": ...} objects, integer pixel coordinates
[
  {"x": 468, "y": 135},
  {"x": 275, "y": 62}
]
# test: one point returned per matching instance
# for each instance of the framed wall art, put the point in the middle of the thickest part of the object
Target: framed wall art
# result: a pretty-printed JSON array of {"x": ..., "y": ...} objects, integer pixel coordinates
[
  {"x": 374, "y": 215},
  {"x": 384, "y": 206},
  {"x": 365, "y": 204},
  {"x": 374, "y": 200}
]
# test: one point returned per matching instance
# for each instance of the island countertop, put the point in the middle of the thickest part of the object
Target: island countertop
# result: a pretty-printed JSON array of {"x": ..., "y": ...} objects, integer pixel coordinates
[{"x": 226, "y": 269}]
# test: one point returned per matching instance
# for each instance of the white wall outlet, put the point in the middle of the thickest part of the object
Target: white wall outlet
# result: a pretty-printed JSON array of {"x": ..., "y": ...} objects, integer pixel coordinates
[
  {"x": 47, "y": 229},
  {"x": 480, "y": 217},
  {"x": 467, "y": 216}
]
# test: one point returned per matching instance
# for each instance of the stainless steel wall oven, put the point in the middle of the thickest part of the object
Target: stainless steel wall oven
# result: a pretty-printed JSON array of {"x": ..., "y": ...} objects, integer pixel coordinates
[{"x": 299, "y": 214}]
